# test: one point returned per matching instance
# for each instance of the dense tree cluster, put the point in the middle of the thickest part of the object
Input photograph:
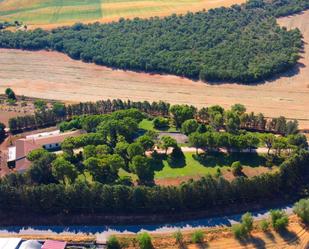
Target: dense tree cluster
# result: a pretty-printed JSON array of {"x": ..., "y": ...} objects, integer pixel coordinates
[
  {"x": 279, "y": 7},
  {"x": 241, "y": 43},
  {"x": 209, "y": 192},
  {"x": 85, "y": 177}
]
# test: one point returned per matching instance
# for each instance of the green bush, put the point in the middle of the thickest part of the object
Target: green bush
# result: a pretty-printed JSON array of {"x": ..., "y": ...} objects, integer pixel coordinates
[
  {"x": 301, "y": 209},
  {"x": 279, "y": 220},
  {"x": 236, "y": 168},
  {"x": 113, "y": 243},
  {"x": 247, "y": 222},
  {"x": 198, "y": 237},
  {"x": 178, "y": 237},
  {"x": 161, "y": 123},
  {"x": 144, "y": 241},
  {"x": 239, "y": 231},
  {"x": 264, "y": 225}
]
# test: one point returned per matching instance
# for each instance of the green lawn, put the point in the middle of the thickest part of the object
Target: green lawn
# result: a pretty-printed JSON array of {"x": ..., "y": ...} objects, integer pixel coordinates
[
  {"x": 205, "y": 165},
  {"x": 192, "y": 168},
  {"x": 148, "y": 126}
]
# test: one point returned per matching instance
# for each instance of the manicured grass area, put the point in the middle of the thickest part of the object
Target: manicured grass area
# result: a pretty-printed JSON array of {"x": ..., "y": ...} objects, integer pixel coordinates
[
  {"x": 148, "y": 126},
  {"x": 44, "y": 12},
  {"x": 192, "y": 168},
  {"x": 204, "y": 165}
]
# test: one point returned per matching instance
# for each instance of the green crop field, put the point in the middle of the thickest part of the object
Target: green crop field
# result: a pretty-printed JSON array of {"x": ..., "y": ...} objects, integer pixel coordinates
[{"x": 58, "y": 12}]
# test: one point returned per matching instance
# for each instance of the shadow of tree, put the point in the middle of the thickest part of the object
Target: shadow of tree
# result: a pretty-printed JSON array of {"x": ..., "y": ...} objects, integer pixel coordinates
[
  {"x": 213, "y": 159},
  {"x": 177, "y": 158},
  {"x": 289, "y": 236},
  {"x": 254, "y": 241},
  {"x": 203, "y": 245},
  {"x": 270, "y": 236}
]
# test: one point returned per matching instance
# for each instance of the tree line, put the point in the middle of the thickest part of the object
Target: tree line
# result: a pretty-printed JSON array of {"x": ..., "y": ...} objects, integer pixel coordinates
[
  {"x": 209, "y": 192},
  {"x": 60, "y": 112},
  {"x": 89, "y": 114},
  {"x": 114, "y": 143},
  {"x": 242, "y": 43}
]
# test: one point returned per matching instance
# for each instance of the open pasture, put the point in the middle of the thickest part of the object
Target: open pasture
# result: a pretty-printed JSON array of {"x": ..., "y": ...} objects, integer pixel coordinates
[{"x": 51, "y": 13}]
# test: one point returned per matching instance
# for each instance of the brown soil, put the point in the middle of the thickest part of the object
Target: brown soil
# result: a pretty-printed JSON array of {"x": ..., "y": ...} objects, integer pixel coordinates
[
  {"x": 23, "y": 106},
  {"x": 53, "y": 75}
]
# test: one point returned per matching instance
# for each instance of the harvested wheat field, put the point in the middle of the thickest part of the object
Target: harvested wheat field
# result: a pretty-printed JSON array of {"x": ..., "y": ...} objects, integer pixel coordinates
[
  {"x": 51, "y": 13},
  {"x": 53, "y": 75}
]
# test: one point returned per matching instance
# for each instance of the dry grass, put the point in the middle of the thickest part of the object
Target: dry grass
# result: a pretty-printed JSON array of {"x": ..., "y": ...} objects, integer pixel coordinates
[
  {"x": 49, "y": 13},
  {"x": 222, "y": 238}
]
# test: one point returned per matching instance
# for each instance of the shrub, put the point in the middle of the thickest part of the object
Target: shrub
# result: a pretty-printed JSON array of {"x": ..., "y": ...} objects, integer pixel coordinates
[
  {"x": 236, "y": 168},
  {"x": 218, "y": 172},
  {"x": 144, "y": 241},
  {"x": 178, "y": 237},
  {"x": 279, "y": 220},
  {"x": 189, "y": 126},
  {"x": 239, "y": 231},
  {"x": 301, "y": 209},
  {"x": 161, "y": 123},
  {"x": 198, "y": 237},
  {"x": 10, "y": 94},
  {"x": 176, "y": 158},
  {"x": 264, "y": 225},
  {"x": 11, "y": 101},
  {"x": 247, "y": 222},
  {"x": 113, "y": 243}
]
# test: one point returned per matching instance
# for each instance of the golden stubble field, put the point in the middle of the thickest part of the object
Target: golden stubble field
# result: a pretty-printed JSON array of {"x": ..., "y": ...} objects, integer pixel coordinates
[
  {"x": 52, "y": 13},
  {"x": 55, "y": 76}
]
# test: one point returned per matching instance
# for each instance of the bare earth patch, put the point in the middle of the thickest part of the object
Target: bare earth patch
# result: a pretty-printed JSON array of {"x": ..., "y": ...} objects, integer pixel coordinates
[{"x": 53, "y": 75}]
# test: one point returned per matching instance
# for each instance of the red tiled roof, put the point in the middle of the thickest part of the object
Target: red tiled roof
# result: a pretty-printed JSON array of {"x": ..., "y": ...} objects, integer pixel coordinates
[
  {"x": 53, "y": 244},
  {"x": 26, "y": 145}
]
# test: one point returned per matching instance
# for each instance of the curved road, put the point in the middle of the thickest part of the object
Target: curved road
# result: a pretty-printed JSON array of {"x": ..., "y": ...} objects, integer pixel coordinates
[{"x": 102, "y": 232}]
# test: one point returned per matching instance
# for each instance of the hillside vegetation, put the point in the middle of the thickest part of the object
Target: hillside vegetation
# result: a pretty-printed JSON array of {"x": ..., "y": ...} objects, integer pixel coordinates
[{"x": 242, "y": 43}]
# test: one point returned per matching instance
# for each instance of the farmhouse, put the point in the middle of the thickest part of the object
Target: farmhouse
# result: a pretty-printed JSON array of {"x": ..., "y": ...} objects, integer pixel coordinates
[{"x": 17, "y": 156}]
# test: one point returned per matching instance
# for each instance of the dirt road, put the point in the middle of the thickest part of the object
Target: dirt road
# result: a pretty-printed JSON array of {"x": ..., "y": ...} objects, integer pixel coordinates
[{"x": 55, "y": 76}]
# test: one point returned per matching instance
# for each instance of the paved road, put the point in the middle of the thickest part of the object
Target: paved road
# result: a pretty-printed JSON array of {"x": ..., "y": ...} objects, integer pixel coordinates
[{"x": 104, "y": 231}]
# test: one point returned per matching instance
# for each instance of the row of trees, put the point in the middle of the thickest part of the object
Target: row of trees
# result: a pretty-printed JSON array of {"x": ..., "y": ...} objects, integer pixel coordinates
[
  {"x": 204, "y": 45},
  {"x": 204, "y": 194},
  {"x": 231, "y": 120},
  {"x": 89, "y": 114},
  {"x": 59, "y": 112},
  {"x": 213, "y": 141}
]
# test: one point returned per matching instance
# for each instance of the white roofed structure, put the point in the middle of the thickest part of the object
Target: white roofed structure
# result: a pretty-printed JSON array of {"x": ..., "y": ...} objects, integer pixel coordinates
[
  {"x": 30, "y": 244},
  {"x": 9, "y": 243}
]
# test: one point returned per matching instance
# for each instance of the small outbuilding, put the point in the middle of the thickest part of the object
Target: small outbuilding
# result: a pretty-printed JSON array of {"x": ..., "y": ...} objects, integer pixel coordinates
[
  {"x": 30, "y": 244},
  {"x": 53, "y": 244}
]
